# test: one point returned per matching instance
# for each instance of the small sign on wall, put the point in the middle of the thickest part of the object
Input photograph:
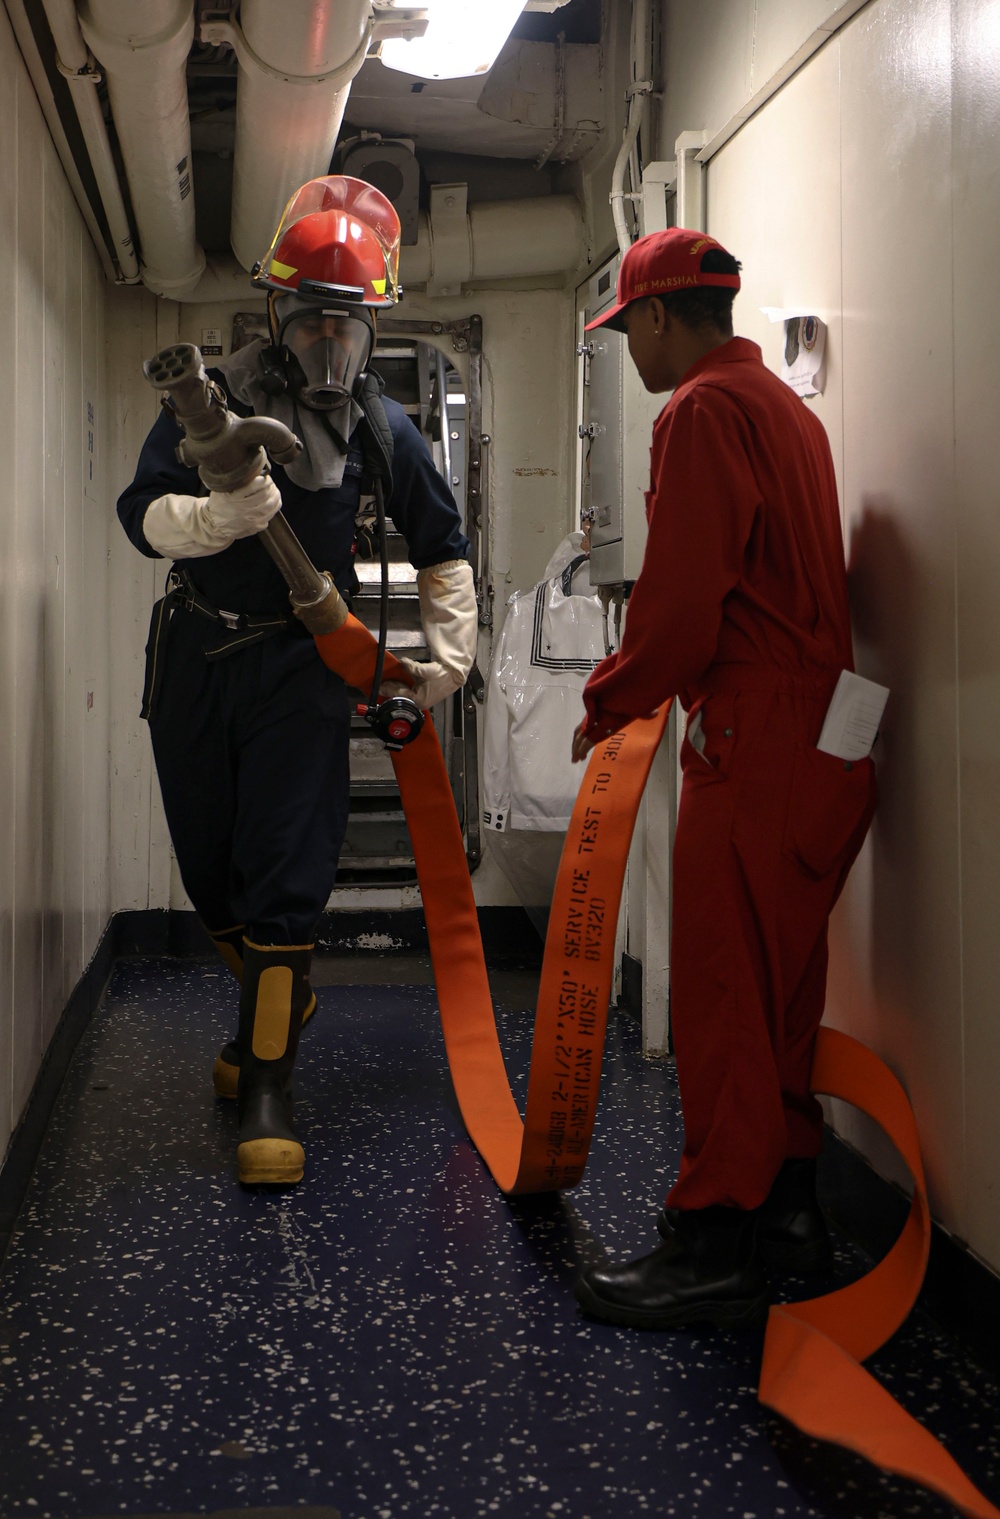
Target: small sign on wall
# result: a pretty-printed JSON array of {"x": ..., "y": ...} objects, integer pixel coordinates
[
  {"x": 803, "y": 357},
  {"x": 90, "y": 480},
  {"x": 211, "y": 342},
  {"x": 803, "y": 364}
]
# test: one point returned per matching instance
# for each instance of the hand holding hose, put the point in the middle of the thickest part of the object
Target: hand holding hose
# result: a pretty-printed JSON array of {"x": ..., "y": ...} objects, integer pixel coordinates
[
  {"x": 247, "y": 510},
  {"x": 192, "y": 527},
  {"x": 449, "y": 616},
  {"x": 582, "y": 745},
  {"x": 230, "y": 455}
]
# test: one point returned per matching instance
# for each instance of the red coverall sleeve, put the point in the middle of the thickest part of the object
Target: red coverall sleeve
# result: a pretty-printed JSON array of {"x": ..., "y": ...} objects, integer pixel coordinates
[{"x": 702, "y": 504}]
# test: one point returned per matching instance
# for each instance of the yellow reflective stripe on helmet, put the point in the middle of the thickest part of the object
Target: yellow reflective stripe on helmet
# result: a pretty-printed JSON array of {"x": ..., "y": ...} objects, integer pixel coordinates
[
  {"x": 378, "y": 286},
  {"x": 282, "y": 271}
]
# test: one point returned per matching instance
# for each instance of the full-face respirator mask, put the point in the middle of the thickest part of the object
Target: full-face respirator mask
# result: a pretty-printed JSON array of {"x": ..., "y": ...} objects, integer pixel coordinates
[{"x": 320, "y": 348}]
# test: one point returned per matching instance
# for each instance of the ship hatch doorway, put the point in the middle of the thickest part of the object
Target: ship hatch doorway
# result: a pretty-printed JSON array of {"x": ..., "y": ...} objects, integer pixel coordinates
[{"x": 434, "y": 370}]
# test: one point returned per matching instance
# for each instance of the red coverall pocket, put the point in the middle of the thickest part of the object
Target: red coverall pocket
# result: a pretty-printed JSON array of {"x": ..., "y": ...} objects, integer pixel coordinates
[
  {"x": 830, "y": 803},
  {"x": 710, "y": 736}
]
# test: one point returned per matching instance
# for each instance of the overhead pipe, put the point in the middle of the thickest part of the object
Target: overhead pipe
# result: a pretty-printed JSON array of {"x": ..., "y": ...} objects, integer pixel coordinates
[
  {"x": 27, "y": 44},
  {"x": 296, "y": 63},
  {"x": 690, "y": 180},
  {"x": 223, "y": 280},
  {"x": 143, "y": 46},
  {"x": 504, "y": 239},
  {"x": 74, "y": 63},
  {"x": 637, "y": 95}
]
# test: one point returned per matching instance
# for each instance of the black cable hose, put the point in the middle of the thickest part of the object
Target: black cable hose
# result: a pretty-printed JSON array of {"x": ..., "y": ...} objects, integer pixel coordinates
[{"x": 383, "y": 610}]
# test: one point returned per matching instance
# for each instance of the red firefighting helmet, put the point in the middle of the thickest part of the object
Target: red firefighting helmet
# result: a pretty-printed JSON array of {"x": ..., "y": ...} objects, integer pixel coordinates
[{"x": 339, "y": 238}]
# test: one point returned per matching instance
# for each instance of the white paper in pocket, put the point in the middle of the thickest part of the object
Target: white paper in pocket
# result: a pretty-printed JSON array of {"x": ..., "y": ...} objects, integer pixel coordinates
[{"x": 853, "y": 717}]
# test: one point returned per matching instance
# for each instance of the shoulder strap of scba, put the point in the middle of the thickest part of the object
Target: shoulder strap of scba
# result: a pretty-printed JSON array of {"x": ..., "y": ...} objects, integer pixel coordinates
[
  {"x": 374, "y": 432},
  {"x": 811, "y": 1371}
]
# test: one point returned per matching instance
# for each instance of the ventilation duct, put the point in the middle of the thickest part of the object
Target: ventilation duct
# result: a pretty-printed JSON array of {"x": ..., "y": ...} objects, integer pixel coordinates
[
  {"x": 296, "y": 63},
  {"x": 494, "y": 240},
  {"x": 73, "y": 62},
  {"x": 504, "y": 239},
  {"x": 142, "y": 47}
]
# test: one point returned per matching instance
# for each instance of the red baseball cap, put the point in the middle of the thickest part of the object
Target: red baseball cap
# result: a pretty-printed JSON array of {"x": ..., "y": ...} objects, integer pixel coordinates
[{"x": 663, "y": 263}]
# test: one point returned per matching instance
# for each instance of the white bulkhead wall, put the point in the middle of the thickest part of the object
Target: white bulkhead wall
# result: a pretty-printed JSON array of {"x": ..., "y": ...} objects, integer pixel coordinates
[
  {"x": 866, "y": 190},
  {"x": 56, "y": 683}
]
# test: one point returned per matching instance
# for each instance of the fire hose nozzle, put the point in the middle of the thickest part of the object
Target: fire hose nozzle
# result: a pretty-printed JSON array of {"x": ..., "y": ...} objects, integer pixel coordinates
[
  {"x": 227, "y": 451},
  {"x": 230, "y": 451}
]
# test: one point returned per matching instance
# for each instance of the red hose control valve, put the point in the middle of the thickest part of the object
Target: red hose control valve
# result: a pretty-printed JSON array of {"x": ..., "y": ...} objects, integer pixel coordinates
[{"x": 396, "y": 721}]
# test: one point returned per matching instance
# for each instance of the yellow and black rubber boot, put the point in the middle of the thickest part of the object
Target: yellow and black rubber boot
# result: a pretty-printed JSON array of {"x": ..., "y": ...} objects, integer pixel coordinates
[
  {"x": 226, "y": 1070},
  {"x": 273, "y": 999}
]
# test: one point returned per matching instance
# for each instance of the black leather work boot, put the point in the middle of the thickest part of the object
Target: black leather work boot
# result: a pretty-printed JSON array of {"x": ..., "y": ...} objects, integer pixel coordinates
[
  {"x": 791, "y": 1231},
  {"x": 226, "y": 1070},
  {"x": 706, "y": 1272},
  {"x": 273, "y": 999}
]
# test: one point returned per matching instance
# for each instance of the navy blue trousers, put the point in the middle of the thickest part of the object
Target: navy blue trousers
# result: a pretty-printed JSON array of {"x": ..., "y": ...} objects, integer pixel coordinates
[{"x": 252, "y": 757}]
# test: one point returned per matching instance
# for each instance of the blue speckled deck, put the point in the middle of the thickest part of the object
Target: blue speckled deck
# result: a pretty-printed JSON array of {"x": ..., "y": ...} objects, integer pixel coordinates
[{"x": 392, "y": 1338}]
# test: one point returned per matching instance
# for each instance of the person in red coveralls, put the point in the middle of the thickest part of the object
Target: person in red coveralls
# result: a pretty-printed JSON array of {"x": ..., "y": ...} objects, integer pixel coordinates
[{"x": 741, "y": 612}]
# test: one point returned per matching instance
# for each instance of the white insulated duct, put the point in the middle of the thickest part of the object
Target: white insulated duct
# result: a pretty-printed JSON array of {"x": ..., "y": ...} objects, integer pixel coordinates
[
  {"x": 503, "y": 239},
  {"x": 224, "y": 280},
  {"x": 27, "y": 43},
  {"x": 73, "y": 62},
  {"x": 496, "y": 240},
  {"x": 296, "y": 63},
  {"x": 142, "y": 46}
]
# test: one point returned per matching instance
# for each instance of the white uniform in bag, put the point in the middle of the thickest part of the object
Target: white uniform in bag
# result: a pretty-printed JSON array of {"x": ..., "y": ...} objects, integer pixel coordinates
[{"x": 552, "y": 638}]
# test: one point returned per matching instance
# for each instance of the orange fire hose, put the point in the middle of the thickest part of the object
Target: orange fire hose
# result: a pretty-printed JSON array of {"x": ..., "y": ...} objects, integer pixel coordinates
[{"x": 811, "y": 1371}]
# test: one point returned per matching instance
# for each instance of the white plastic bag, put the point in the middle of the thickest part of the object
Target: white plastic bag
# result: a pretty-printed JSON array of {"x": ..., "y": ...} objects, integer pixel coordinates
[{"x": 552, "y": 638}]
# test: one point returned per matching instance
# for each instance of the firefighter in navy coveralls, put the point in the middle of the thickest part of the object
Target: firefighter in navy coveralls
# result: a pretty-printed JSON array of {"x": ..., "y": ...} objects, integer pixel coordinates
[{"x": 250, "y": 729}]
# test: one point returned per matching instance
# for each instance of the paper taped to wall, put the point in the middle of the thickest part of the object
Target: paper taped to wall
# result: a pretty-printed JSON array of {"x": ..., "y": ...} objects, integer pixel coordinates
[
  {"x": 853, "y": 717},
  {"x": 803, "y": 363}
]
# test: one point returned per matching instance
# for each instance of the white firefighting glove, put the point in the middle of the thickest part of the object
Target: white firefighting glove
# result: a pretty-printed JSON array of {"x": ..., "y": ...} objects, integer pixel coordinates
[
  {"x": 191, "y": 527},
  {"x": 449, "y": 617}
]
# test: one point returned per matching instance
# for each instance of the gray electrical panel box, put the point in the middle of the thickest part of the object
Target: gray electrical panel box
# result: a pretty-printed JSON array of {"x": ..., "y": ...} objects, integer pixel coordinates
[{"x": 616, "y": 428}]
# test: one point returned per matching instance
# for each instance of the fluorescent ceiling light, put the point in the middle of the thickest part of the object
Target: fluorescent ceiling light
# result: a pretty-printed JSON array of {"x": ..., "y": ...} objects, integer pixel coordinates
[{"x": 463, "y": 37}]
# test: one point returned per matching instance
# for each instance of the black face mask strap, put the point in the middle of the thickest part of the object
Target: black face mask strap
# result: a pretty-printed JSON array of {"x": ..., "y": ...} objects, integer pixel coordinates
[{"x": 280, "y": 371}]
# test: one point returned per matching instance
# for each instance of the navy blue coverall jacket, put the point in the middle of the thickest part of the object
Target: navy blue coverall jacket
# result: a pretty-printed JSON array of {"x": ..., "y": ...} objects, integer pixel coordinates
[{"x": 251, "y": 749}]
